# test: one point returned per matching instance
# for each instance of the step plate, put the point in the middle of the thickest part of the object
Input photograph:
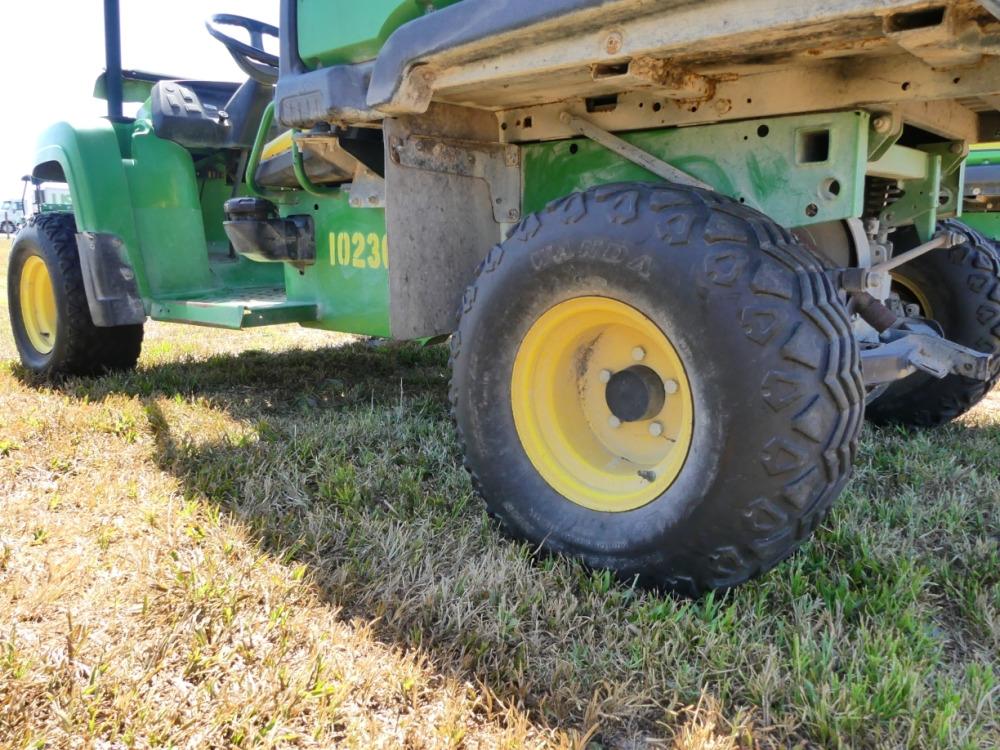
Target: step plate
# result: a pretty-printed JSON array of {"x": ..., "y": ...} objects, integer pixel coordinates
[{"x": 236, "y": 309}]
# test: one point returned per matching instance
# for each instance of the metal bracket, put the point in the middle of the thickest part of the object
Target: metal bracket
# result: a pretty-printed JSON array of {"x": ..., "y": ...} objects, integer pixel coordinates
[
  {"x": 906, "y": 352},
  {"x": 498, "y": 165},
  {"x": 919, "y": 203},
  {"x": 367, "y": 189},
  {"x": 884, "y": 131},
  {"x": 953, "y": 155}
]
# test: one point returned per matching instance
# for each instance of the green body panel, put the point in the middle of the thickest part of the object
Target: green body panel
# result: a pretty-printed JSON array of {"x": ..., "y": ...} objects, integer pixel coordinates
[
  {"x": 984, "y": 156},
  {"x": 349, "y": 283},
  {"x": 986, "y": 222},
  {"x": 91, "y": 160},
  {"x": 145, "y": 190},
  {"x": 125, "y": 181},
  {"x": 349, "y": 31},
  {"x": 774, "y": 165},
  {"x": 330, "y": 294},
  {"x": 168, "y": 208},
  {"x": 168, "y": 218}
]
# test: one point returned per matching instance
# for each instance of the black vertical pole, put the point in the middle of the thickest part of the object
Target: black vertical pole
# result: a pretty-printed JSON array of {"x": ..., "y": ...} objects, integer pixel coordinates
[{"x": 113, "y": 58}]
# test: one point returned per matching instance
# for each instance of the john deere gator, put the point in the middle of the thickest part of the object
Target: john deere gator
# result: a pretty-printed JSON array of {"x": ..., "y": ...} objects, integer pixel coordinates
[{"x": 680, "y": 248}]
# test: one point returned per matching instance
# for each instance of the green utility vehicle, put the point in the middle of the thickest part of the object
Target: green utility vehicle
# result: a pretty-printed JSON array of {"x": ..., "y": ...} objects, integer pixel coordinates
[
  {"x": 680, "y": 249},
  {"x": 13, "y": 215}
]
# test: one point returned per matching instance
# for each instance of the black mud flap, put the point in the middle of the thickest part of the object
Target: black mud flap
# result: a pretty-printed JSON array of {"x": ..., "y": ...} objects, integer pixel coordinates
[{"x": 108, "y": 278}]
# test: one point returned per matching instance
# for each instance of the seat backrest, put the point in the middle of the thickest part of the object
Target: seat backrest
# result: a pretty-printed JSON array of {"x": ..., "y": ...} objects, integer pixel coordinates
[{"x": 209, "y": 114}]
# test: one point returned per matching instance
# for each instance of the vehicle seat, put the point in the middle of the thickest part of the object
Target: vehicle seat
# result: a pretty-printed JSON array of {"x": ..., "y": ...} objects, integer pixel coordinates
[{"x": 209, "y": 114}]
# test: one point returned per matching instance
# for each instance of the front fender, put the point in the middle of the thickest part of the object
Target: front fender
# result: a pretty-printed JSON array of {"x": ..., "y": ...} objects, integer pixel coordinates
[{"x": 89, "y": 159}]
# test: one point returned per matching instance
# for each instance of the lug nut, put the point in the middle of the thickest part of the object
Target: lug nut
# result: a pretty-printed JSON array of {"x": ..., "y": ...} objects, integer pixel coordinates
[
  {"x": 614, "y": 422},
  {"x": 638, "y": 354},
  {"x": 605, "y": 376},
  {"x": 655, "y": 429},
  {"x": 670, "y": 387}
]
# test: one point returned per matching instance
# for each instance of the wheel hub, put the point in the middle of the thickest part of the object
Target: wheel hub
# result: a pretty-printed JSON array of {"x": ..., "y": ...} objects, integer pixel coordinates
[
  {"x": 635, "y": 393},
  {"x": 602, "y": 404}
]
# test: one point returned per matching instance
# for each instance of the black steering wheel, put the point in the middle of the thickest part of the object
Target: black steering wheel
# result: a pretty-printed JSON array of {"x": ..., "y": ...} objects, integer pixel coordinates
[{"x": 253, "y": 60}]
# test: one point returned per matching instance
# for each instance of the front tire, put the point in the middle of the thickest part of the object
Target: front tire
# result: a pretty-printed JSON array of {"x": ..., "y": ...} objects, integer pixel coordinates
[
  {"x": 49, "y": 314},
  {"x": 761, "y": 405}
]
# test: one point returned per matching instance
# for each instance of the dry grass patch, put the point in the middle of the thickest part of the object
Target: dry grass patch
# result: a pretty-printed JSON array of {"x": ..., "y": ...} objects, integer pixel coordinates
[{"x": 266, "y": 540}]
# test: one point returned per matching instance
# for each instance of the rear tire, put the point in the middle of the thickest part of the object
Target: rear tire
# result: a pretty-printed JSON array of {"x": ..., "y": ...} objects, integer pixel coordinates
[
  {"x": 768, "y": 360},
  {"x": 961, "y": 288},
  {"x": 49, "y": 314}
]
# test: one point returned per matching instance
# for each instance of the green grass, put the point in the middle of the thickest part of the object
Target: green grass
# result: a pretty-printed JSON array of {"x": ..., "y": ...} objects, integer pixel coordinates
[{"x": 267, "y": 539}]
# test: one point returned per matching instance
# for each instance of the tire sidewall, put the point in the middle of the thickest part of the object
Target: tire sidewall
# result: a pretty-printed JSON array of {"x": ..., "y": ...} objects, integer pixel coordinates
[
  {"x": 699, "y": 300},
  {"x": 569, "y": 524}
]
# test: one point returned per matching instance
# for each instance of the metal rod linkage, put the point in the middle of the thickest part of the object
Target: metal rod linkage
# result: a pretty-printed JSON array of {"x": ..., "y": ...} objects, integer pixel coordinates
[
  {"x": 634, "y": 154},
  {"x": 947, "y": 239}
]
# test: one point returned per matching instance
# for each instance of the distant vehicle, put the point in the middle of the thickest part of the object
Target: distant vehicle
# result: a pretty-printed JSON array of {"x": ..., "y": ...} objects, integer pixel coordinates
[
  {"x": 12, "y": 216},
  {"x": 52, "y": 199},
  {"x": 48, "y": 198}
]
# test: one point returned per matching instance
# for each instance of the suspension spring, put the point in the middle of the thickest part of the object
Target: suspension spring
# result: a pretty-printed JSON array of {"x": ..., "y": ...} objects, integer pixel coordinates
[{"x": 880, "y": 193}]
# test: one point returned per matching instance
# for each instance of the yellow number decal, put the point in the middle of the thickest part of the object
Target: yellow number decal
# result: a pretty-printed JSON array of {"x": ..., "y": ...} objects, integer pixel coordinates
[
  {"x": 358, "y": 250},
  {"x": 343, "y": 249},
  {"x": 374, "y": 256},
  {"x": 358, "y": 240}
]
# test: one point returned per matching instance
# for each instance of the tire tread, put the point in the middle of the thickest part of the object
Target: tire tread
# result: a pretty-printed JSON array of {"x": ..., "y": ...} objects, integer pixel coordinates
[{"x": 836, "y": 378}]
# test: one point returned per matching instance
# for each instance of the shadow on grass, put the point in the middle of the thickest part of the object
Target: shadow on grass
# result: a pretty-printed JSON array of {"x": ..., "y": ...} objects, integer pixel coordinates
[
  {"x": 291, "y": 375},
  {"x": 345, "y": 459}
]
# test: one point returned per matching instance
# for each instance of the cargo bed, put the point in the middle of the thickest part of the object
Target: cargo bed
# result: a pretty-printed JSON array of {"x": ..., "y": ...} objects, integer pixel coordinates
[{"x": 689, "y": 62}]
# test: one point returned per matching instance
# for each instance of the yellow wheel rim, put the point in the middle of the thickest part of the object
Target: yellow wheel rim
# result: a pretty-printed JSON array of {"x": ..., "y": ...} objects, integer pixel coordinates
[
  {"x": 569, "y": 367},
  {"x": 38, "y": 304}
]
